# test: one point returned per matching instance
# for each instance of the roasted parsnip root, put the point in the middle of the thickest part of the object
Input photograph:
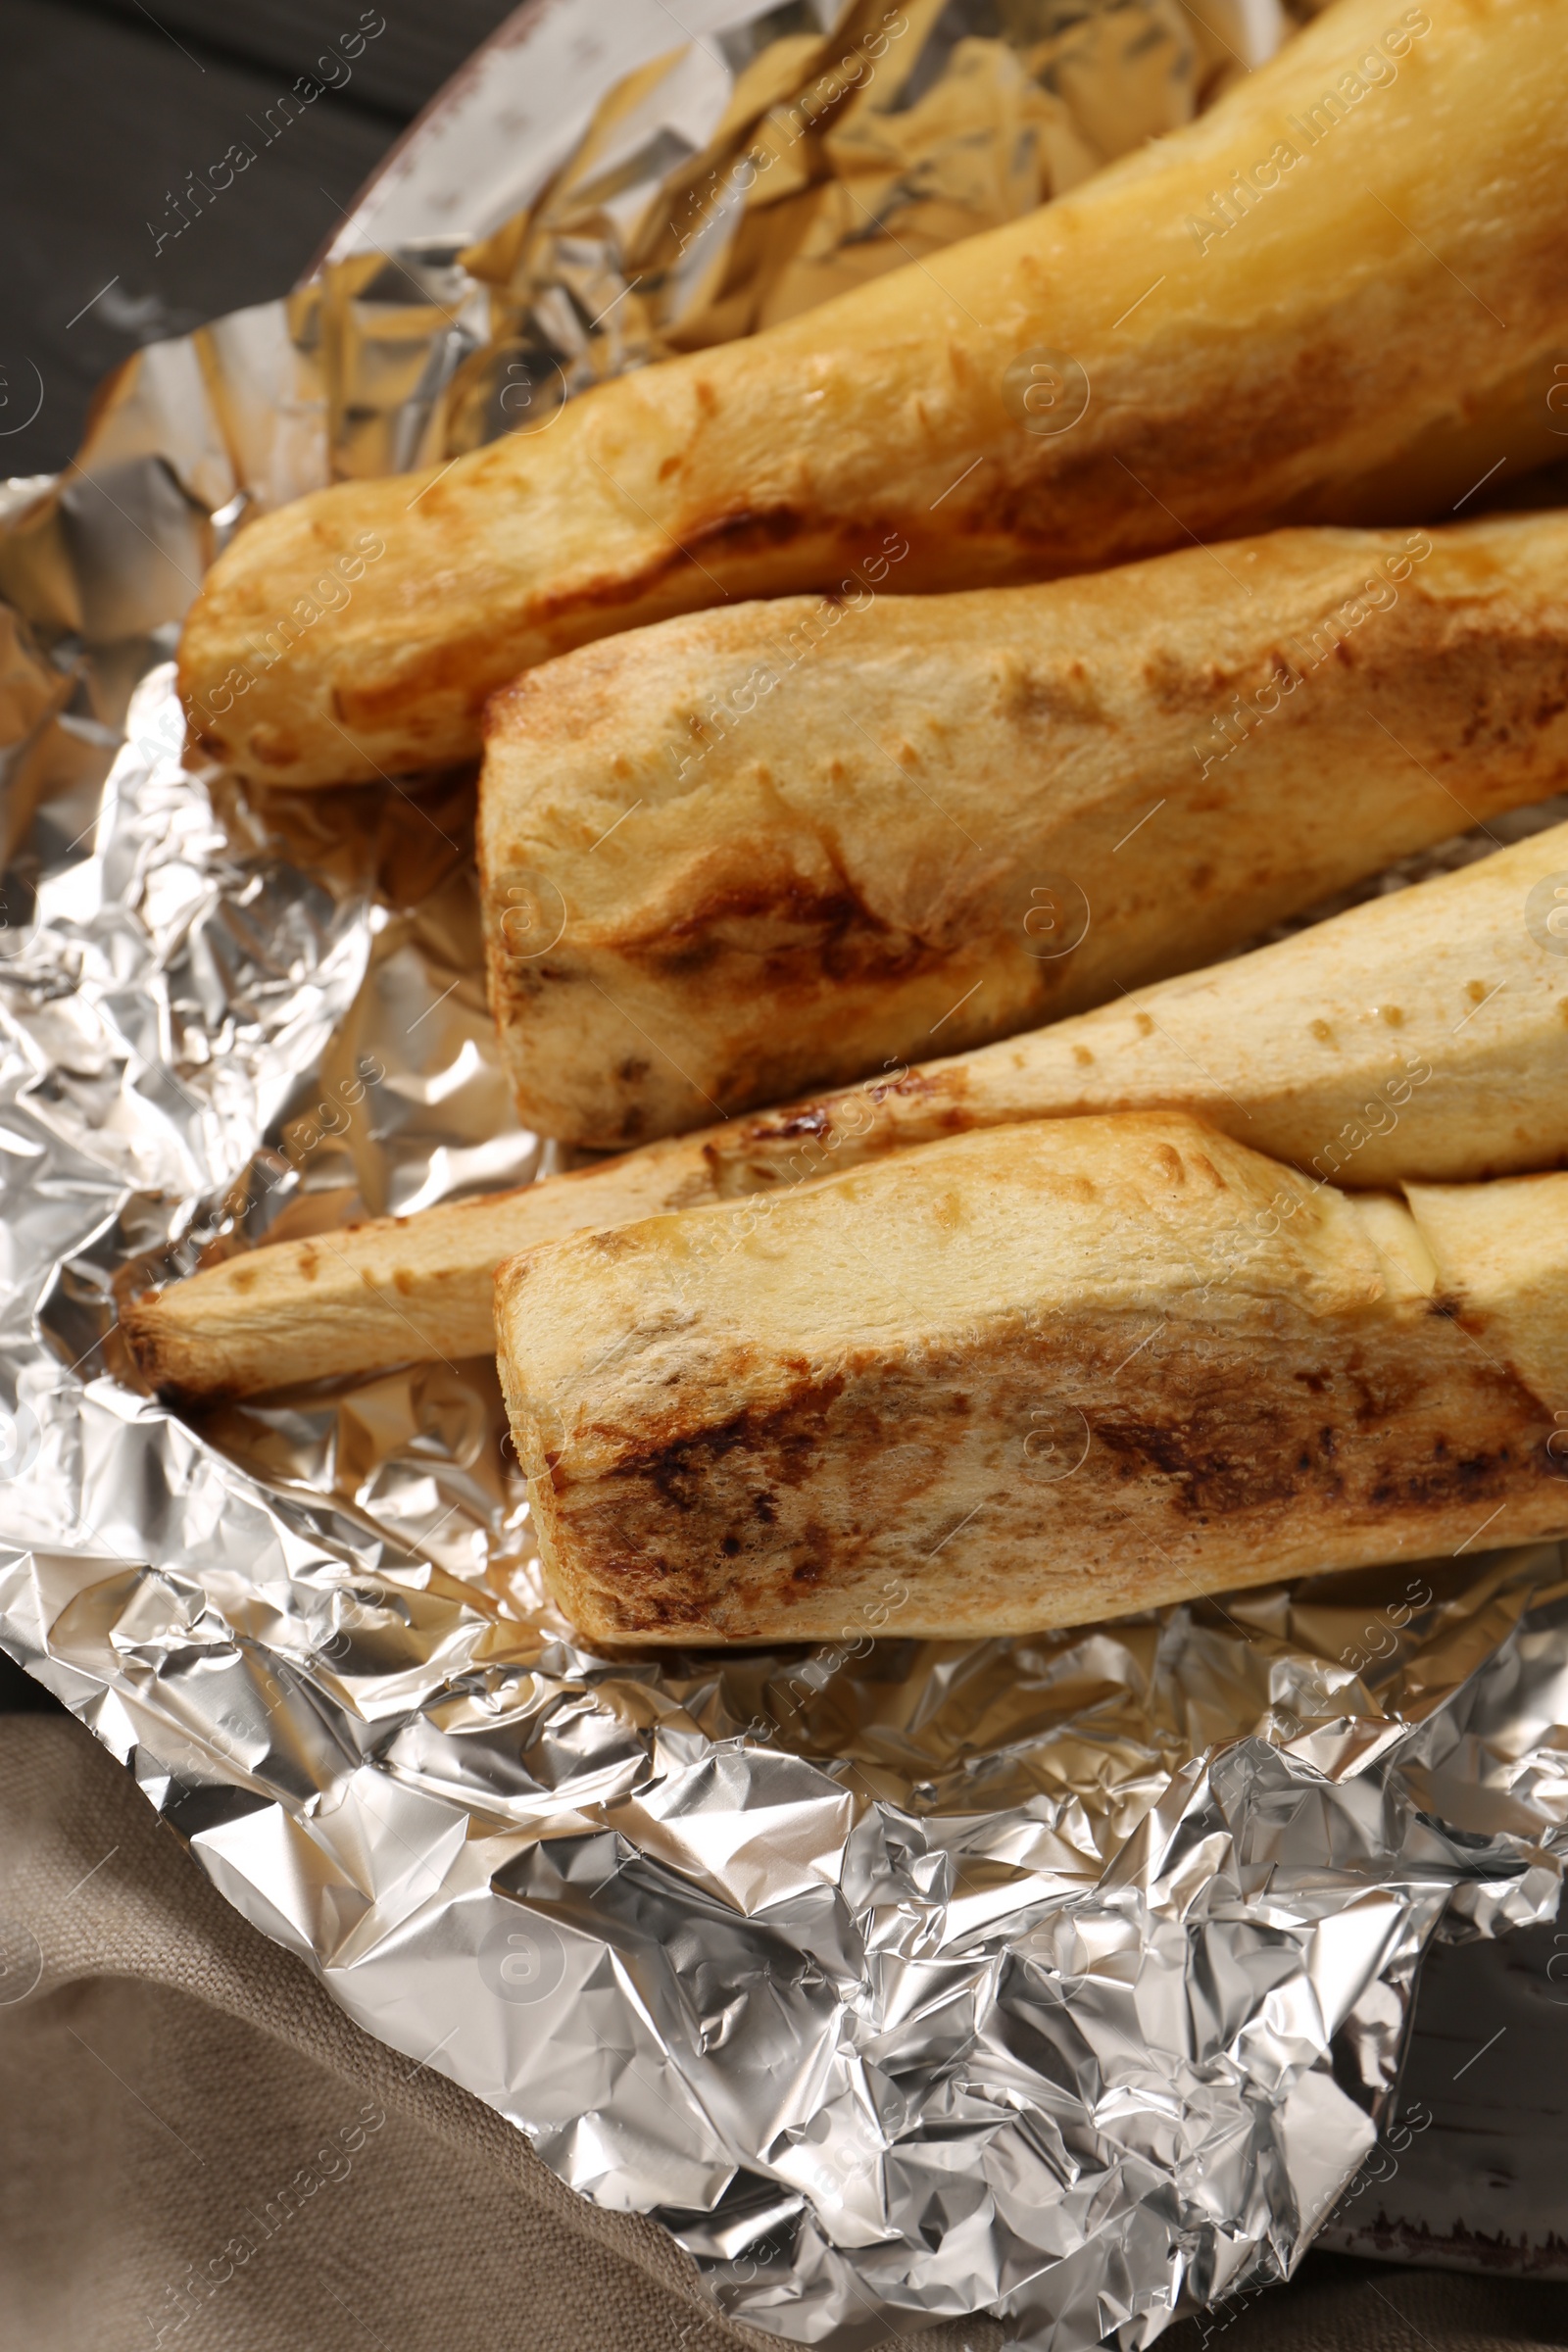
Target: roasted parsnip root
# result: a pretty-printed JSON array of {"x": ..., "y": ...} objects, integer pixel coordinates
[
  {"x": 395, "y": 1290},
  {"x": 1031, "y": 1378},
  {"x": 746, "y": 853},
  {"x": 1283, "y": 312},
  {"x": 1422, "y": 1034}
]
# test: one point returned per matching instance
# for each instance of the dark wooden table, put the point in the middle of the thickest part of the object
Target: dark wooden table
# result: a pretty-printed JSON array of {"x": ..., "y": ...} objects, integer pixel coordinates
[{"x": 105, "y": 110}]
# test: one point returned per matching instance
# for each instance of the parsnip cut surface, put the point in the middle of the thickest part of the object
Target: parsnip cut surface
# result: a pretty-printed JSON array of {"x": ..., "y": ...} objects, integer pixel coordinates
[
  {"x": 782, "y": 845},
  {"x": 1022, "y": 1379}
]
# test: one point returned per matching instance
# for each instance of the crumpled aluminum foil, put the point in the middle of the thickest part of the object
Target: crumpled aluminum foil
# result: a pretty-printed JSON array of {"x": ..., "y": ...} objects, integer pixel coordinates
[
  {"x": 1063, "y": 1980},
  {"x": 798, "y": 154}
]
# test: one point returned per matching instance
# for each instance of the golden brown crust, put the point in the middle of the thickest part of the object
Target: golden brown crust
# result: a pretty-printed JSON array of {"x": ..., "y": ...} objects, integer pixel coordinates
[
  {"x": 725, "y": 858},
  {"x": 1324, "y": 357},
  {"x": 1021, "y": 1378}
]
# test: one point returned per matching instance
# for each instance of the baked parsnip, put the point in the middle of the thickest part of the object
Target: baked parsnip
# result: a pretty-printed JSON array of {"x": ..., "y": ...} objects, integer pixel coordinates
[
  {"x": 1283, "y": 312},
  {"x": 1030, "y": 1377},
  {"x": 713, "y": 879},
  {"x": 1421, "y": 1035}
]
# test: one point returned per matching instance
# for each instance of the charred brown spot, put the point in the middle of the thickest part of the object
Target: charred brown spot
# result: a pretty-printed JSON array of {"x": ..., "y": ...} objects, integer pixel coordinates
[
  {"x": 1233, "y": 1454},
  {"x": 788, "y": 1438},
  {"x": 790, "y": 936},
  {"x": 804, "y": 1122},
  {"x": 1478, "y": 1476},
  {"x": 1218, "y": 1464}
]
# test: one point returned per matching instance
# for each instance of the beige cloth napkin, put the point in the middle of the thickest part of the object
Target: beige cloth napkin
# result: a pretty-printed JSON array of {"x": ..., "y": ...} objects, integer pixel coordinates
[{"x": 199, "y": 2150}]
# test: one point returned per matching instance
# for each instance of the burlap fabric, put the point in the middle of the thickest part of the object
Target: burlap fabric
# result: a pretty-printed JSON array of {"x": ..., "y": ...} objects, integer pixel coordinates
[{"x": 199, "y": 2150}]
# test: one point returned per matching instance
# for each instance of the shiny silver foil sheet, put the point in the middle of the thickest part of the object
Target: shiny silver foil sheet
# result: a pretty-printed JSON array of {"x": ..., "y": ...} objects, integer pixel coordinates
[{"x": 1061, "y": 1979}]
